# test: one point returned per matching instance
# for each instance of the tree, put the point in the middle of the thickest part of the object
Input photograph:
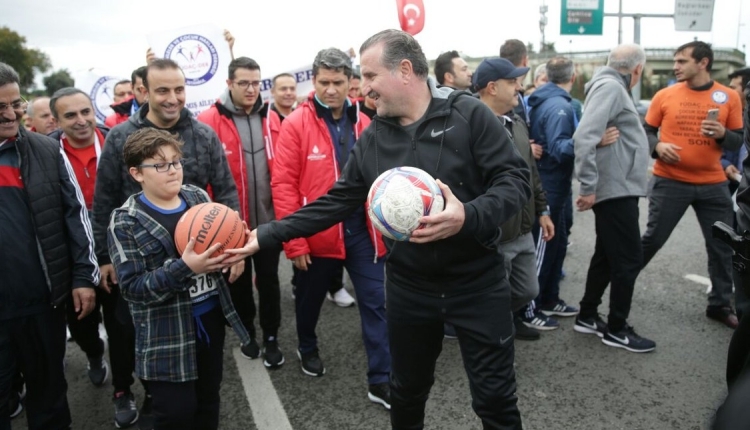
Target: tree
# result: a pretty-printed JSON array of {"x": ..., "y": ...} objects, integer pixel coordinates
[
  {"x": 59, "y": 79},
  {"x": 26, "y": 61},
  {"x": 548, "y": 47}
]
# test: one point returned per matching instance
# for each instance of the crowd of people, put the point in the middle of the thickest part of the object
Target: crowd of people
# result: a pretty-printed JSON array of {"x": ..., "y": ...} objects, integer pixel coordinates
[{"x": 95, "y": 208}]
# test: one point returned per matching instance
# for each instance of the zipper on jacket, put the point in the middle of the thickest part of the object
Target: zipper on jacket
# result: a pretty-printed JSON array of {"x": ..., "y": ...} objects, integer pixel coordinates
[{"x": 86, "y": 171}]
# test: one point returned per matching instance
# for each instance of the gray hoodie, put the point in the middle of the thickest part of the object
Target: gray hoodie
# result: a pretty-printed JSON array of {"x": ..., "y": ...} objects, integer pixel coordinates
[
  {"x": 249, "y": 127},
  {"x": 620, "y": 169}
]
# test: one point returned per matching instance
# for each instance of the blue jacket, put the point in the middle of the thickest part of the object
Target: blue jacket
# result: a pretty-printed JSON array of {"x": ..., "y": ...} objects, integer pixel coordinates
[{"x": 552, "y": 126}]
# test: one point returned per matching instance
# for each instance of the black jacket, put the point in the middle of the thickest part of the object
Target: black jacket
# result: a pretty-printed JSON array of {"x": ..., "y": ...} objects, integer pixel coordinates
[
  {"x": 59, "y": 217},
  {"x": 206, "y": 167},
  {"x": 462, "y": 143}
]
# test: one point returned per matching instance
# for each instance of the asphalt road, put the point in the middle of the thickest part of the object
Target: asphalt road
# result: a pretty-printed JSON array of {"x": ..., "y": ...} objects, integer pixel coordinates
[{"x": 565, "y": 380}]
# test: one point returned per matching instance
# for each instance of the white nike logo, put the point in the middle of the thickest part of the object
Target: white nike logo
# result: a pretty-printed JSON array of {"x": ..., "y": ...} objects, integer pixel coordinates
[
  {"x": 434, "y": 133},
  {"x": 624, "y": 340},
  {"x": 591, "y": 326}
]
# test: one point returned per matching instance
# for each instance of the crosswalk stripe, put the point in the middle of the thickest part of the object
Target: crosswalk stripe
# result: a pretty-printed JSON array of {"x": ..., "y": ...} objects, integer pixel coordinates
[{"x": 268, "y": 412}]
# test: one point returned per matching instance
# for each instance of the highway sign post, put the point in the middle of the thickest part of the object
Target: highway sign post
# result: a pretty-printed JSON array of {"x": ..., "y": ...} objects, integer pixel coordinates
[
  {"x": 693, "y": 15},
  {"x": 582, "y": 17}
]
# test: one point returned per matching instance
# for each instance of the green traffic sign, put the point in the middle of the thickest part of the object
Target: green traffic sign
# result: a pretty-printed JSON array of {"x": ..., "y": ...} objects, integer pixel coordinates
[{"x": 582, "y": 17}]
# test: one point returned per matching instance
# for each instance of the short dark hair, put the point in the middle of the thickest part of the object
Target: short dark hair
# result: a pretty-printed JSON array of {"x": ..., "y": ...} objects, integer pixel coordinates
[
  {"x": 8, "y": 75},
  {"x": 333, "y": 59},
  {"x": 514, "y": 51},
  {"x": 741, "y": 73},
  {"x": 160, "y": 64},
  {"x": 398, "y": 46},
  {"x": 444, "y": 64},
  {"x": 146, "y": 143},
  {"x": 138, "y": 73},
  {"x": 64, "y": 92},
  {"x": 560, "y": 70},
  {"x": 700, "y": 50},
  {"x": 242, "y": 63},
  {"x": 282, "y": 75},
  {"x": 356, "y": 75},
  {"x": 124, "y": 81}
]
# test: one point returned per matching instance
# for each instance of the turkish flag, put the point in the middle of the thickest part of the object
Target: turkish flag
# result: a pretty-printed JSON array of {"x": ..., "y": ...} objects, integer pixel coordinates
[{"x": 411, "y": 15}]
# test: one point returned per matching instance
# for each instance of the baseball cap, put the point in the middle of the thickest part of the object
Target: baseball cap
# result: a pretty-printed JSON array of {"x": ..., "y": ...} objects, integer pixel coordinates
[{"x": 492, "y": 69}]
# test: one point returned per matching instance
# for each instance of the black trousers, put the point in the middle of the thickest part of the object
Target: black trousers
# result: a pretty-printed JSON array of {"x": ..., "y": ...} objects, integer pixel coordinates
[
  {"x": 194, "y": 404},
  {"x": 617, "y": 260},
  {"x": 121, "y": 340},
  {"x": 337, "y": 282},
  {"x": 484, "y": 326},
  {"x": 35, "y": 344},
  {"x": 266, "y": 266}
]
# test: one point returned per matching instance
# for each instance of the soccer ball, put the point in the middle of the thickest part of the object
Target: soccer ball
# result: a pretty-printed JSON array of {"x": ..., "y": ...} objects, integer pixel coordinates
[{"x": 399, "y": 198}]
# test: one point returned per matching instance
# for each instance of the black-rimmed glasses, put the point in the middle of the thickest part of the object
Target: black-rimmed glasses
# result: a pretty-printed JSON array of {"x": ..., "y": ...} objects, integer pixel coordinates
[{"x": 164, "y": 167}]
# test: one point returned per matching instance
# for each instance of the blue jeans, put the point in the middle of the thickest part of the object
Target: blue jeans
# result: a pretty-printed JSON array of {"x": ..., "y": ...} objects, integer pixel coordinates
[
  {"x": 667, "y": 202},
  {"x": 368, "y": 278}
]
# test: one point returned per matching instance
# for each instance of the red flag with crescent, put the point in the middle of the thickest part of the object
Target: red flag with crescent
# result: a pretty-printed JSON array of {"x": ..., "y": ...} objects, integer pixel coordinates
[{"x": 411, "y": 15}]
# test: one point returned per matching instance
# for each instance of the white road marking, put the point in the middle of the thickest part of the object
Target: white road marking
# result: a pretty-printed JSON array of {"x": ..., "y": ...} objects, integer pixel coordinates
[
  {"x": 698, "y": 279},
  {"x": 268, "y": 412}
]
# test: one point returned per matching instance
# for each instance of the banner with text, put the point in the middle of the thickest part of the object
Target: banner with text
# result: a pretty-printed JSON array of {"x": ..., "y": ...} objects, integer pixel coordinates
[
  {"x": 204, "y": 57},
  {"x": 101, "y": 90}
]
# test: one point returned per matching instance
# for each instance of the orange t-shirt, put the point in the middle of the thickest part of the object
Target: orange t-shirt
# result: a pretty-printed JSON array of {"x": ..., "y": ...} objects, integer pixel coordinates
[{"x": 678, "y": 111}]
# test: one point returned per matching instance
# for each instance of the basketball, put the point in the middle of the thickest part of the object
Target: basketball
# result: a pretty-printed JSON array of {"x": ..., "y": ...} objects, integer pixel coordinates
[
  {"x": 209, "y": 223},
  {"x": 399, "y": 198}
]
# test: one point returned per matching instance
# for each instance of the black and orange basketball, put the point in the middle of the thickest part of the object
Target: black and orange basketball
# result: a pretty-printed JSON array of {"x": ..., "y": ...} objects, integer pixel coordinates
[{"x": 209, "y": 223}]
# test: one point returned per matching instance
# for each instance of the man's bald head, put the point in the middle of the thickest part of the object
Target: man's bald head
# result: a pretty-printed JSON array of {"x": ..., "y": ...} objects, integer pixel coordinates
[{"x": 40, "y": 116}]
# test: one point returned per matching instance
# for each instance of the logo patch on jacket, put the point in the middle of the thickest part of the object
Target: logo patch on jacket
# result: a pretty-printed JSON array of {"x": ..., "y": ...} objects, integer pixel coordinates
[
  {"x": 316, "y": 155},
  {"x": 226, "y": 151}
]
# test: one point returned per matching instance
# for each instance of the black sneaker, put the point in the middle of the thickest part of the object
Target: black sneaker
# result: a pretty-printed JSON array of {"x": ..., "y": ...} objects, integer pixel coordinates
[
  {"x": 250, "y": 351},
  {"x": 15, "y": 404},
  {"x": 627, "y": 339},
  {"x": 523, "y": 332},
  {"x": 593, "y": 325},
  {"x": 559, "y": 309},
  {"x": 380, "y": 393},
  {"x": 126, "y": 414},
  {"x": 311, "y": 363},
  {"x": 539, "y": 321},
  {"x": 272, "y": 356},
  {"x": 449, "y": 332},
  {"x": 98, "y": 370}
]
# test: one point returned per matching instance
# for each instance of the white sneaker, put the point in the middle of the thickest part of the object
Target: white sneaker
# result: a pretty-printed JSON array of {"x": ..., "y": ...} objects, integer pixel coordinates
[{"x": 342, "y": 298}]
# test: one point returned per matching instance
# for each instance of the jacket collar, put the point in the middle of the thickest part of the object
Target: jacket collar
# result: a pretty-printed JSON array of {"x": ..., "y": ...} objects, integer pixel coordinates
[{"x": 351, "y": 110}]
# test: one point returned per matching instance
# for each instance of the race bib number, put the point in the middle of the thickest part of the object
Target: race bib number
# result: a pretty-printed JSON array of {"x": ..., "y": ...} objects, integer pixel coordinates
[{"x": 202, "y": 287}]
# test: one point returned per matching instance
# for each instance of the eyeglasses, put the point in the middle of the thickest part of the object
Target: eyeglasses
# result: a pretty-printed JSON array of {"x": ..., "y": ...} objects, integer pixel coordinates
[
  {"x": 164, "y": 167},
  {"x": 245, "y": 84},
  {"x": 19, "y": 104}
]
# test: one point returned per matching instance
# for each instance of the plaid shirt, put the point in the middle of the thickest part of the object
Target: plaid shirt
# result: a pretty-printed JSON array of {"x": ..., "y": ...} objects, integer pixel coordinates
[{"x": 155, "y": 282}]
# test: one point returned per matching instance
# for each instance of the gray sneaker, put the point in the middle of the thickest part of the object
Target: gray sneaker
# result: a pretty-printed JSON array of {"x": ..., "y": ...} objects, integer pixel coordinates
[{"x": 126, "y": 414}]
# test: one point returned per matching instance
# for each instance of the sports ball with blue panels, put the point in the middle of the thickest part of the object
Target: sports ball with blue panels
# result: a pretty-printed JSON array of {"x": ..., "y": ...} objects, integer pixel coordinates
[{"x": 399, "y": 198}]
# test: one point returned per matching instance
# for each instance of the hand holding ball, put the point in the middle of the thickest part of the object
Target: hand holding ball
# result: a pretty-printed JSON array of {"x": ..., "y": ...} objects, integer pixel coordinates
[{"x": 210, "y": 223}]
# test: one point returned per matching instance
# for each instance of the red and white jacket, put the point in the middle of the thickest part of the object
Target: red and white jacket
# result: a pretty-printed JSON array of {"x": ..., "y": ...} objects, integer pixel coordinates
[
  {"x": 305, "y": 168},
  {"x": 219, "y": 118}
]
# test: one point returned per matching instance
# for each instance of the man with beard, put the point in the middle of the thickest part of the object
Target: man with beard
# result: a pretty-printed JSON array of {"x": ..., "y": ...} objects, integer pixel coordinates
[
  {"x": 206, "y": 166},
  {"x": 452, "y": 71}
]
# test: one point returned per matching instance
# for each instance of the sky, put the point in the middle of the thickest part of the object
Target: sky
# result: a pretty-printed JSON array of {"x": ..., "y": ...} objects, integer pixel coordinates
[{"x": 110, "y": 36}]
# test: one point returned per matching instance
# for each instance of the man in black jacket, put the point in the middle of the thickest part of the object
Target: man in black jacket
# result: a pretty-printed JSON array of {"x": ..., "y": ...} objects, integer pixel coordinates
[
  {"x": 205, "y": 167},
  {"x": 48, "y": 255},
  {"x": 450, "y": 271}
]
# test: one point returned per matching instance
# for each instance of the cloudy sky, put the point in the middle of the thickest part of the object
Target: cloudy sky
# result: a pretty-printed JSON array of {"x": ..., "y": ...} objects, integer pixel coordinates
[{"x": 284, "y": 34}]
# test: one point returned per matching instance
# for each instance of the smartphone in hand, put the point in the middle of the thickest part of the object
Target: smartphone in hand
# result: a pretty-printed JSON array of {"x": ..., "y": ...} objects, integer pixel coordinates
[{"x": 712, "y": 114}]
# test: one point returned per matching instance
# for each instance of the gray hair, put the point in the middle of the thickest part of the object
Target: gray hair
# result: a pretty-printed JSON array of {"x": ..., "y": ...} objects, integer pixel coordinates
[
  {"x": 540, "y": 70},
  {"x": 560, "y": 70},
  {"x": 626, "y": 57},
  {"x": 30, "y": 107},
  {"x": 333, "y": 59},
  {"x": 63, "y": 92},
  {"x": 399, "y": 46},
  {"x": 8, "y": 75}
]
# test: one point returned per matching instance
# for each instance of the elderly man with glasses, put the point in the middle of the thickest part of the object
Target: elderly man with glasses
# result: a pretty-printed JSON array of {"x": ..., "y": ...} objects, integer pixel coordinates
[{"x": 48, "y": 257}]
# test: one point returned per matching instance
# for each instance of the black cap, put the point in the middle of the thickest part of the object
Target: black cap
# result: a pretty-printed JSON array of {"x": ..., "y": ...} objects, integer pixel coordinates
[{"x": 492, "y": 69}]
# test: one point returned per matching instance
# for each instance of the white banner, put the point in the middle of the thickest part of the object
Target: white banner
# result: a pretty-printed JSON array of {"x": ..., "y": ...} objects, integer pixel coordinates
[
  {"x": 303, "y": 76},
  {"x": 204, "y": 57},
  {"x": 101, "y": 90}
]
